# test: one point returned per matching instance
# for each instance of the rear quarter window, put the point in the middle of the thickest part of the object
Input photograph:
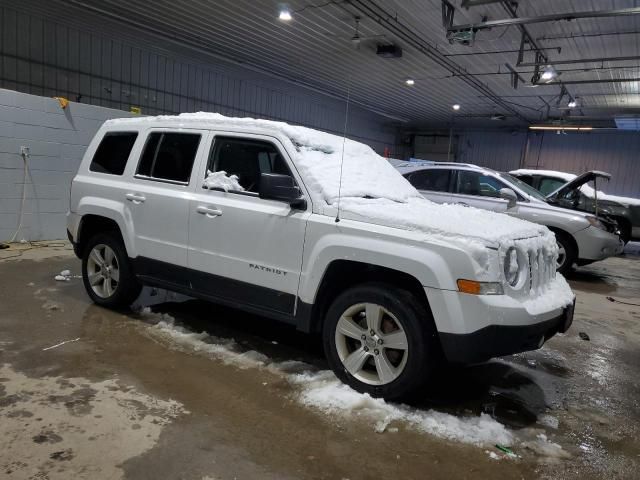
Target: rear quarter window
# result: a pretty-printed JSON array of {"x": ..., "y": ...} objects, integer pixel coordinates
[{"x": 113, "y": 152}]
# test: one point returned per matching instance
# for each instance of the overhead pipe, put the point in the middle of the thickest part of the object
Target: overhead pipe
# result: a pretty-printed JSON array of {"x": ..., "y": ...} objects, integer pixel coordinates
[{"x": 543, "y": 19}]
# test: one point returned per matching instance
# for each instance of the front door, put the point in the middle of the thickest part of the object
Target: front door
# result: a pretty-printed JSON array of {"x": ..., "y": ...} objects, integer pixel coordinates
[
  {"x": 243, "y": 248},
  {"x": 474, "y": 189}
]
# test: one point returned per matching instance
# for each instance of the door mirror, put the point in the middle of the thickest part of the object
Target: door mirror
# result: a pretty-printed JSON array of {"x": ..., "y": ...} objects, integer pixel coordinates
[
  {"x": 274, "y": 186},
  {"x": 510, "y": 196}
]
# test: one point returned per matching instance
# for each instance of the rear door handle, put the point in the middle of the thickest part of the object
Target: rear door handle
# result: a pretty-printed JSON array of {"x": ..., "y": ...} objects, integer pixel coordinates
[
  {"x": 209, "y": 212},
  {"x": 135, "y": 198}
]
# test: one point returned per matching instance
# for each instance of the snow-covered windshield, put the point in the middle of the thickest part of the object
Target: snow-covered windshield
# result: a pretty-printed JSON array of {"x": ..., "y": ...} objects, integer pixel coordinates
[
  {"x": 334, "y": 166},
  {"x": 528, "y": 189}
]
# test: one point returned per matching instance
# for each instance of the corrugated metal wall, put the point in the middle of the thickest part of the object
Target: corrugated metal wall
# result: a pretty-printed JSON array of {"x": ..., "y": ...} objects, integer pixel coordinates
[
  {"x": 615, "y": 152},
  {"x": 497, "y": 150},
  {"x": 52, "y": 58}
]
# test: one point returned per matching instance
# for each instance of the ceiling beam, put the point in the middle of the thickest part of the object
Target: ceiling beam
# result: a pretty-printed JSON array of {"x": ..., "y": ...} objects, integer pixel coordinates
[
  {"x": 500, "y": 52},
  {"x": 389, "y": 20},
  {"x": 476, "y": 3},
  {"x": 543, "y": 19},
  {"x": 584, "y": 82},
  {"x": 578, "y": 60}
]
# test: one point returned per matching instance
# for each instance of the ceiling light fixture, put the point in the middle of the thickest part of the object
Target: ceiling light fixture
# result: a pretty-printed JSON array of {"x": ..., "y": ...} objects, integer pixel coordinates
[
  {"x": 570, "y": 128},
  {"x": 549, "y": 74},
  {"x": 285, "y": 15},
  {"x": 410, "y": 81},
  {"x": 456, "y": 107}
]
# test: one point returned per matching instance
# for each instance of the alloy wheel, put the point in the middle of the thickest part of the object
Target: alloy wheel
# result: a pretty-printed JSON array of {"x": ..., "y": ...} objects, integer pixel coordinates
[
  {"x": 103, "y": 271},
  {"x": 371, "y": 344}
]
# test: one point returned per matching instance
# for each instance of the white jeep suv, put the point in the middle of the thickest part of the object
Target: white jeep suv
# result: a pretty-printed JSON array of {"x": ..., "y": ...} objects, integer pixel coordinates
[{"x": 302, "y": 227}]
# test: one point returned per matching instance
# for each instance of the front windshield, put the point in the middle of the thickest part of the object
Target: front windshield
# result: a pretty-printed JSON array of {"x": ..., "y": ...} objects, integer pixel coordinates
[{"x": 528, "y": 189}]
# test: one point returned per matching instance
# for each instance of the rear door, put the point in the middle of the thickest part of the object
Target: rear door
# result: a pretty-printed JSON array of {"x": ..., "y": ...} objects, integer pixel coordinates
[
  {"x": 158, "y": 198},
  {"x": 434, "y": 184},
  {"x": 476, "y": 189}
]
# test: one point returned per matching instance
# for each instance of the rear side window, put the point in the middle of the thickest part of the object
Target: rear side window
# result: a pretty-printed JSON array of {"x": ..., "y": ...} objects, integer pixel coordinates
[
  {"x": 433, "y": 180},
  {"x": 113, "y": 152},
  {"x": 169, "y": 156}
]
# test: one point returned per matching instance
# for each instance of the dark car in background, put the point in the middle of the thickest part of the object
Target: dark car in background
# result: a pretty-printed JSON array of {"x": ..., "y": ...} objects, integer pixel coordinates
[{"x": 570, "y": 191}]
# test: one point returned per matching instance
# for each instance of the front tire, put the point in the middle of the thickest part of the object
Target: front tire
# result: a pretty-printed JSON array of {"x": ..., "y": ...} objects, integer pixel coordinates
[
  {"x": 106, "y": 272},
  {"x": 379, "y": 339},
  {"x": 567, "y": 252}
]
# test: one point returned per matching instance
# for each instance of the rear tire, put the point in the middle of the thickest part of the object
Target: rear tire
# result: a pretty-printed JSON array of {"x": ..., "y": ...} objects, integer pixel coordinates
[
  {"x": 106, "y": 272},
  {"x": 568, "y": 252},
  {"x": 361, "y": 329}
]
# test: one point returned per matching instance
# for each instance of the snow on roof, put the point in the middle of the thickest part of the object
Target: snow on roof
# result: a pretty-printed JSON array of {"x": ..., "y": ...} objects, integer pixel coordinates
[
  {"x": 567, "y": 177},
  {"x": 371, "y": 189},
  {"x": 319, "y": 159}
]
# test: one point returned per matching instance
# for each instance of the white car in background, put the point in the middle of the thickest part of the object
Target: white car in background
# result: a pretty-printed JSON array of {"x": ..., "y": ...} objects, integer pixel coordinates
[{"x": 582, "y": 238}]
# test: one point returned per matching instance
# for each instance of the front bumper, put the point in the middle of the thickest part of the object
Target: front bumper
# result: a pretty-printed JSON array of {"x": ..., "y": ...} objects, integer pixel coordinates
[
  {"x": 498, "y": 340},
  {"x": 596, "y": 244}
]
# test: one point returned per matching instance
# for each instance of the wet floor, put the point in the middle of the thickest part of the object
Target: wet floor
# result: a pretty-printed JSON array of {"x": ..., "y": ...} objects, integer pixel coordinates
[{"x": 189, "y": 390}]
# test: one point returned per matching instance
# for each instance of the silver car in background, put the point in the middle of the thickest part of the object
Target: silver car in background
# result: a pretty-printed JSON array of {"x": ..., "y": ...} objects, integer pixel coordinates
[{"x": 582, "y": 238}]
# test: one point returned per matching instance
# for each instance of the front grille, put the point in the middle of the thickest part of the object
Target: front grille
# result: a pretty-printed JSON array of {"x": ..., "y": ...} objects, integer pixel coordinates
[{"x": 542, "y": 269}]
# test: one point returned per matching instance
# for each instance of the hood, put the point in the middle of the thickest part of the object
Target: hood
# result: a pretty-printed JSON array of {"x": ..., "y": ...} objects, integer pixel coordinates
[
  {"x": 449, "y": 222},
  {"x": 470, "y": 229},
  {"x": 578, "y": 182}
]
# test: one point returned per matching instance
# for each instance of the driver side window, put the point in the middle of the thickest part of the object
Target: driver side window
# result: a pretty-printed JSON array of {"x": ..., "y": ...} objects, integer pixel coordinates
[{"x": 247, "y": 159}]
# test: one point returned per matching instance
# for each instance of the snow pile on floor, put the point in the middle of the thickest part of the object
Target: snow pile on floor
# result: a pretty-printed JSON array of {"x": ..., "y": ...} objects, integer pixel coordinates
[
  {"x": 325, "y": 392},
  {"x": 322, "y": 391},
  {"x": 545, "y": 447},
  {"x": 63, "y": 276},
  {"x": 165, "y": 327},
  {"x": 222, "y": 180}
]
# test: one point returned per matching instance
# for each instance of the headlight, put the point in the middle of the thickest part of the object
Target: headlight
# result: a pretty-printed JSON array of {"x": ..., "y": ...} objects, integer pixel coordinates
[
  {"x": 595, "y": 222},
  {"x": 511, "y": 267}
]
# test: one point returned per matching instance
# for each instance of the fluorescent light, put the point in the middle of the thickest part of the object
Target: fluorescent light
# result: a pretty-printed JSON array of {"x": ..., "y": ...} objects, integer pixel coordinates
[
  {"x": 410, "y": 81},
  {"x": 456, "y": 107},
  {"x": 571, "y": 128},
  {"x": 285, "y": 15}
]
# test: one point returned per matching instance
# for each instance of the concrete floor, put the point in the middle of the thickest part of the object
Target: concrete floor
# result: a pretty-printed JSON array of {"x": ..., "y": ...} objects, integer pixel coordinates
[{"x": 139, "y": 395}]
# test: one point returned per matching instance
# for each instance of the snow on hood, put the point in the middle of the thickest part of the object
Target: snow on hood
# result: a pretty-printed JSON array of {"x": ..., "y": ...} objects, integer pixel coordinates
[
  {"x": 371, "y": 188},
  {"x": 588, "y": 190},
  {"x": 446, "y": 220}
]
